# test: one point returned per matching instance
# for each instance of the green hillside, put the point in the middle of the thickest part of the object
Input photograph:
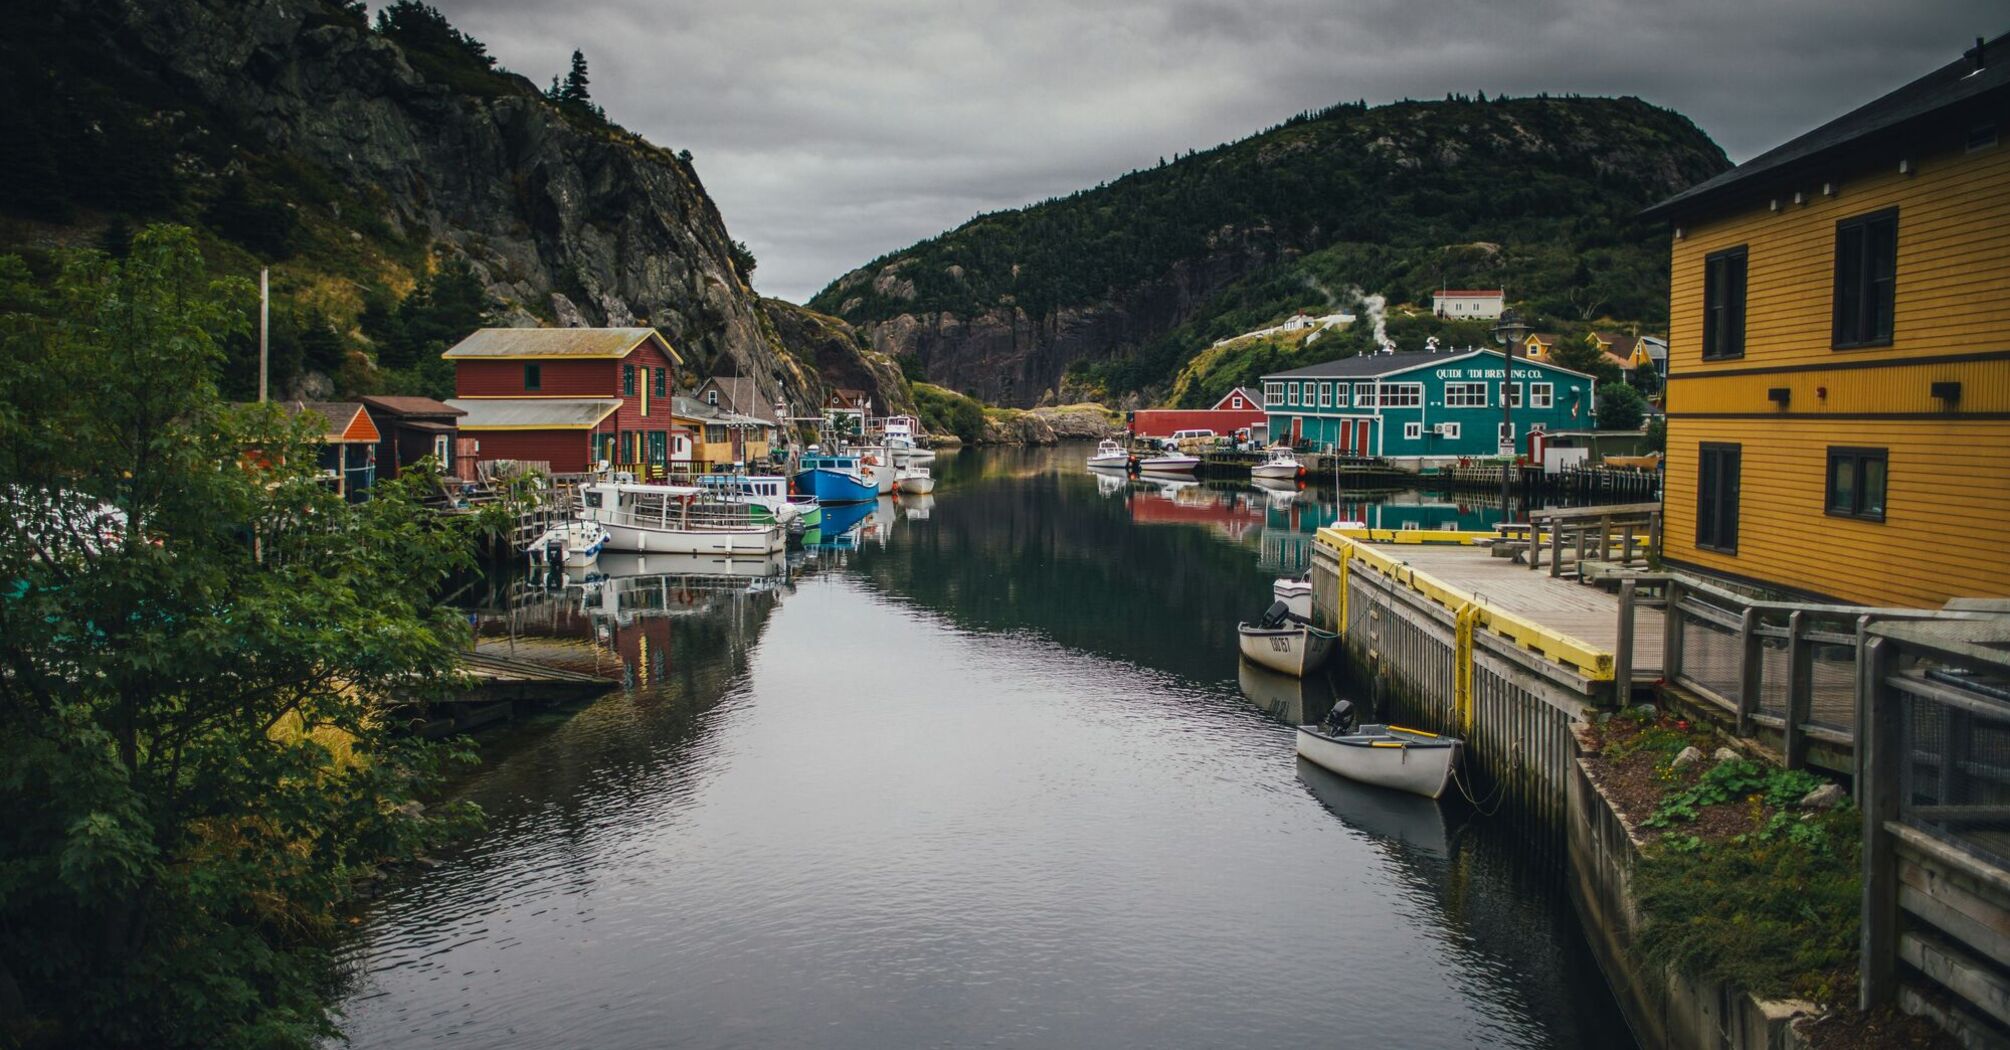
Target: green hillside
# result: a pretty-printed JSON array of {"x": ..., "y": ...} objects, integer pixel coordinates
[{"x": 1539, "y": 195}]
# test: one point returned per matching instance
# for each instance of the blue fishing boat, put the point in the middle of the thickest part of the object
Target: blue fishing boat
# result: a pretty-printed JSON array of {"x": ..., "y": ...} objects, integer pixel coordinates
[
  {"x": 840, "y": 527},
  {"x": 835, "y": 479}
]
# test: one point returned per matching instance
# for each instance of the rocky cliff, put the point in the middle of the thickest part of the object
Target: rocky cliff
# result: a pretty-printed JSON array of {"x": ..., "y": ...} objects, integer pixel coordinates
[
  {"x": 1122, "y": 283},
  {"x": 390, "y": 151}
]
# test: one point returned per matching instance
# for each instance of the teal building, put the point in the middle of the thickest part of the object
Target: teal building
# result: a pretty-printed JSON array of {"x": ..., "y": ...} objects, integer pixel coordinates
[{"x": 1427, "y": 406}]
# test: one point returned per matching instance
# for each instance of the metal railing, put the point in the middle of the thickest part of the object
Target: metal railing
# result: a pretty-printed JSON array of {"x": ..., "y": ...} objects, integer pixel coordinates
[{"x": 1935, "y": 791}]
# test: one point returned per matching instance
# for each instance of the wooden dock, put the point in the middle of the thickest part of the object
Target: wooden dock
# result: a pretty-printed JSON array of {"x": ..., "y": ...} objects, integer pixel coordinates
[{"x": 499, "y": 689}]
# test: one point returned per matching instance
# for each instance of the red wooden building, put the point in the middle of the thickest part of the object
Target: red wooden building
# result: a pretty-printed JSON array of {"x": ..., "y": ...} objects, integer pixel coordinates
[
  {"x": 569, "y": 397},
  {"x": 1238, "y": 410}
]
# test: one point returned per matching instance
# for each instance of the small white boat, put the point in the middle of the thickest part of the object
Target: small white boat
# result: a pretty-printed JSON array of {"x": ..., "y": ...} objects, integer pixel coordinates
[
  {"x": 1284, "y": 642},
  {"x": 1169, "y": 463},
  {"x": 915, "y": 481},
  {"x": 1296, "y": 596},
  {"x": 575, "y": 544},
  {"x": 1387, "y": 756},
  {"x": 1110, "y": 455},
  {"x": 877, "y": 464},
  {"x": 1278, "y": 464}
]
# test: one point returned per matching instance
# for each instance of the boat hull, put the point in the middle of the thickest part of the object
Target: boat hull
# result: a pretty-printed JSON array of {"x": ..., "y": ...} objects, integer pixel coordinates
[
  {"x": 1296, "y": 596},
  {"x": 1276, "y": 471},
  {"x": 1292, "y": 650},
  {"x": 1169, "y": 464},
  {"x": 831, "y": 486},
  {"x": 751, "y": 542},
  {"x": 917, "y": 486},
  {"x": 1418, "y": 766}
]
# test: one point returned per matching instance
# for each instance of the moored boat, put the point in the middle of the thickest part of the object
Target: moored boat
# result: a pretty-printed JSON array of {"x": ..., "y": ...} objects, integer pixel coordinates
[
  {"x": 1278, "y": 464},
  {"x": 767, "y": 499},
  {"x": 834, "y": 479},
  {"x": 675, "y": 519},
  {"x": 1296, "y": 594},
  {"x": 1110, "y": 455},
  {"x": 878, "y": 465},
  {"x": 1284, "y": 642},
  {"x": 1169, "y": 463},
  {"x": 574, "y": 545},
  {"x": 915, "y": 481},
  {"x": 1384, "y": 755}
]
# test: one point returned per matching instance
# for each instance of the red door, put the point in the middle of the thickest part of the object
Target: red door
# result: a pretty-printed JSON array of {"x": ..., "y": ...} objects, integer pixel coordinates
[{"x": 1297, "y": 430}]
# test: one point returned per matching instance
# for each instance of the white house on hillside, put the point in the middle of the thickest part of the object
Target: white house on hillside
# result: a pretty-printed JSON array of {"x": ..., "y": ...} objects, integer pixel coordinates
[{"x": 1469, "y": 304}]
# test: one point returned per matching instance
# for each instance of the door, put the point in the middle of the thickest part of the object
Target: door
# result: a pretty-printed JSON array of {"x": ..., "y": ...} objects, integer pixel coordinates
[
  {"x": 1361, "y": 432},
  {"x": 1297, "y": 430}
]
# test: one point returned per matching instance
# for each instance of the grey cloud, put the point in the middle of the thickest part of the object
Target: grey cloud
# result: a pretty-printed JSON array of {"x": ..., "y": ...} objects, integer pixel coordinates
[{"x": 831, "y": 133}]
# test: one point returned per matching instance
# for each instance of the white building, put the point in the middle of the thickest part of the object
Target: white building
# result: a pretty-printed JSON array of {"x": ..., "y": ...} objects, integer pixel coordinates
[
  {"x": 1297, "y": 323},
  {"x": 1469, "y": 304}
]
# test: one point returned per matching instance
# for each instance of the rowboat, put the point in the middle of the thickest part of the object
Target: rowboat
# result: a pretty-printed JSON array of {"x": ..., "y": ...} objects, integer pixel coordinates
[
  {"x": 1110, "y": 455},
  {"x": 1278, "y": 464},
  {"x": 915, "y": 481},
  {"x": 1387, "y": 756},
  {"x": 1284, "y": 642}
]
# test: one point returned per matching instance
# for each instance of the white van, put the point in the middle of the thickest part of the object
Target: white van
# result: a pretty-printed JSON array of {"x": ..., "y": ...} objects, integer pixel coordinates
[{"x": 1189, "y": 440}]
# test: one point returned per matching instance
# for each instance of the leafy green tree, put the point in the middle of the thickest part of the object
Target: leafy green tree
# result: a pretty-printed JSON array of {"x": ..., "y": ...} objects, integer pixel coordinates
[
  {"x": 1579, "y": 355},
  {"x": 1620, "y": 407},
  {"x": 199, "y": 643},
  {"x": 743, "y": 258}
]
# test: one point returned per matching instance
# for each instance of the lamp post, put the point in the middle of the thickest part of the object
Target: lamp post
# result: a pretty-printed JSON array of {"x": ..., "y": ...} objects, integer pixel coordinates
[{"x": 1510, "y": 332}]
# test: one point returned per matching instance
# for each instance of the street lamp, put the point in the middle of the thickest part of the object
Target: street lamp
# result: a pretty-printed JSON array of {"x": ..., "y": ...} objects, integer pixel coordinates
[{"x": 1510, "y": 333}]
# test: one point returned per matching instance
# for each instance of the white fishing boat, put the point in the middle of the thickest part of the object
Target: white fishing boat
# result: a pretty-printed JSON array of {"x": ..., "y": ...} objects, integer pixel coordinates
[
  {"x": 675, "y": 519},
  {"x": 1384, "y": 755},
  {"x": 1169, "y": 463},
  {"x": 915, "y": 481},
  {"x": 573, "y": 545},
  {"x": 877, "y": 464},
  {"x": 1296, "y": 594},
  {"x": 1278, "y": 464},
  {"x": 1110, "y": 455},
  {"x": 1284, "y": 642}
]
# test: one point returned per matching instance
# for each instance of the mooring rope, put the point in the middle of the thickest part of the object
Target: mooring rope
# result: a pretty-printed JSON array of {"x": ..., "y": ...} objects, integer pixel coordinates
[{"x": 1499, "y": 795}]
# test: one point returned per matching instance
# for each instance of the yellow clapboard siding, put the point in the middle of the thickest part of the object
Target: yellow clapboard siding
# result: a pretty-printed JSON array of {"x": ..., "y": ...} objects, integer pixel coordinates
[{"x": 1946, "y": 531}]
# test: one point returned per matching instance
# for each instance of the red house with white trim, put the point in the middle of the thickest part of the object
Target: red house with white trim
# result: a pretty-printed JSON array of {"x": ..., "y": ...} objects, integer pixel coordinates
[
  {"x": 1238, "y": 410},
  {"x": 570, "y": 397}
]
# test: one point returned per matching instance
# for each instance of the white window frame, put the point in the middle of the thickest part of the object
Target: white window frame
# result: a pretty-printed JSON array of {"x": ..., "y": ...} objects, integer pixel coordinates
[
  {"x": 1503, "y": 433},
  {"x": 1325, "y": 395},
  {"x": 1235, "y": 402},
  {"x": 1339, "y": 395},
  {"x": 1542, "y": 395},
  {"x": 1273, "y": 394},
  {"x": 1451, "y": 431},
  {"x": 1367, "y": 389},
  {"x": 442, "y": 448},
  {"x": 1413, "y": 431},
  {"x": 1402, "y": 395},
  {"x": 1466, "y": 395},
  {"x": 1291, "y": 393},
  {"x": 1514, "y": 394}
]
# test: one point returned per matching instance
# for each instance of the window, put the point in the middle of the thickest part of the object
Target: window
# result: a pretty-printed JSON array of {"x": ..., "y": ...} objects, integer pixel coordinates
[
  {"x": 1504, "y": 434},
  {"x": 1866, "y": 274},
  {"x": 1364, "y": 395},
  {"x": 663, "y": 384},
  {"x": 1273, "y": 394},
  {"x": 1450, "y": 430},
  {"x": 1325, "y": 395},
  {"x": 1717, "y": 498},
  {"x": 1465, "y": 395},
  {"x": 1402, "y": 395},
  {"x": 659, "y": 446},
  {"x": 1541, "y": 395},
  {"x": 1413, "y": 431},
  {"x": 1339, "y": 395},
  {"x": 1236, "y": 402},
  {"x": 1981, "y": 136},
  {"x": 1291, "y": 394},
  {"x": 715, "y": 434},
  {"x": 533, "y": 377},
  {"x": 1856, "y": 483},
  {"x": 440, "y": 446},
  {"x": 1724, "y": 304},
  {"x": 1514, "y": 392},
  {"x": 628, "y": 380}
]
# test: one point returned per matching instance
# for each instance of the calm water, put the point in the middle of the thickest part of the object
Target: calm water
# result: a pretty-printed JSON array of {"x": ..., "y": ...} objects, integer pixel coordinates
[{"x": 983, "y": 773}]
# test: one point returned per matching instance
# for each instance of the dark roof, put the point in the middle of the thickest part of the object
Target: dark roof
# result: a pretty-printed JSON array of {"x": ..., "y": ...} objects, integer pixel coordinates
[
  {"x": 410, "y": 406},
  {"x": 742, "y": 395},
  {"x": 1366, "y": 366},
  {"x": 1957, "y": 82},
  {"x": 518, "y": 344}
]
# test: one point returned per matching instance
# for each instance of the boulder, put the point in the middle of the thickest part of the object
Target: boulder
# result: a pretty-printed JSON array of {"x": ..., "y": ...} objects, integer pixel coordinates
[
  {"x": 1688, "y": 756},
  {"x": 1828, "y": 796},
  {"x": 1725, "y": 754}
]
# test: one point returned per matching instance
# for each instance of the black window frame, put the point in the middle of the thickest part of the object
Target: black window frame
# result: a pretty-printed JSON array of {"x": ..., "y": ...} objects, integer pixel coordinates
[
  {"x": 1717, "y": 512},
  {"x": 661, "y": 381},
  {"x": 1858, "y": 459},
  {"x": 533, "y": 377},
  {"x": 1853, "y": 321},
  {"x": 627, "y": 380},
  {"x": 1724, "y": 291}
]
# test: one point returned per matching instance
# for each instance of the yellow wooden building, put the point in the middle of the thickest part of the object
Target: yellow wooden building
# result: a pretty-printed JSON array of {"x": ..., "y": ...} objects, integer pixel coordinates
[{"x": 1839, "y": 374}]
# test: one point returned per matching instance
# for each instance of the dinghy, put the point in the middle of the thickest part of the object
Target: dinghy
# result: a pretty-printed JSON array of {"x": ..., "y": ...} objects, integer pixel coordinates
[
  {"x": 1284, "y": 642},
  {"x": 1387, "y": 756}
]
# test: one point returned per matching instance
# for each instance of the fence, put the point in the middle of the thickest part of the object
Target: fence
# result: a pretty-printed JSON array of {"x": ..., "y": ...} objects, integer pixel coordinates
[
  {"x": 1935, "y": 793},
  {"x": 1789, "y": 668}
]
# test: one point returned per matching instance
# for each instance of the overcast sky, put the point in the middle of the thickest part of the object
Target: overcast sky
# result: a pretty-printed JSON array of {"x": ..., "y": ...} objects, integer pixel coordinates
[{"x": 833, "y": 131}]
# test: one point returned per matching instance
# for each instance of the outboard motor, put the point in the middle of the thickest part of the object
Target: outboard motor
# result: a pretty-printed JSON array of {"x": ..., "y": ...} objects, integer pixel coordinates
[
  {"x": 1274, "y": 617},
  {"x": 554, "y": 550},
  {"x": 1340, "y": 720}
]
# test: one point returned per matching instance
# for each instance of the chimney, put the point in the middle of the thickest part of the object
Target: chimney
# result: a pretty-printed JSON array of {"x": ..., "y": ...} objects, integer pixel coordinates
[{"x": 1978, "y": 54}]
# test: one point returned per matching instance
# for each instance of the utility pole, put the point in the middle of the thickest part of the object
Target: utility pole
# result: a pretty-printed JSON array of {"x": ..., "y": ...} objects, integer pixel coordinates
[
  {"x": 1509, "y": 332},
  {"x": 264, "y": 327}
]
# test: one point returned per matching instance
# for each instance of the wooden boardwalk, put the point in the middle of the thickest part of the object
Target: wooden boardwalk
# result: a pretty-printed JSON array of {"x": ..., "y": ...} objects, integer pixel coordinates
[{"x": 1586, "y": 613}]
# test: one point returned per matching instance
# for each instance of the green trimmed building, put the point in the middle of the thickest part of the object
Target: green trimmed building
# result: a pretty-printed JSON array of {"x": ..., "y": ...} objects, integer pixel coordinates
[{"x": 1429, "y": 407}]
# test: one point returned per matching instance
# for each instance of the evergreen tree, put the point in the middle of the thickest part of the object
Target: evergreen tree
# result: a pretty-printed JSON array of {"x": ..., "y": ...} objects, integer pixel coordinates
[{"x": 574, "y": 92}]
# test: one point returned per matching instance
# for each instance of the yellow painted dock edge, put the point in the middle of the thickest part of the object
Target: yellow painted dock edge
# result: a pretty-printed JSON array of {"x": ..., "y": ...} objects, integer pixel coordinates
[
  {"x": 1405, "y": 535},
  {"x": 1468, "y": 610}
]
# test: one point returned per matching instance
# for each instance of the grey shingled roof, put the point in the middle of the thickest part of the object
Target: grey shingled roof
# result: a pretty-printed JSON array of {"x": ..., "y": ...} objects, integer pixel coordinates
[
  {"x": 410, "y": 406},
  {"x": 1950, "y": 85},
  {"x": 553, "y": 342},
  {"x": 556, "y": 413},
  {"x": 1368, "y": 366}
]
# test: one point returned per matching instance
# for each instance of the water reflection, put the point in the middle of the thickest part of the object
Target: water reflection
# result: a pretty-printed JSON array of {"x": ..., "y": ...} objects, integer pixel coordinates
[{"x": 983, "y": 774}]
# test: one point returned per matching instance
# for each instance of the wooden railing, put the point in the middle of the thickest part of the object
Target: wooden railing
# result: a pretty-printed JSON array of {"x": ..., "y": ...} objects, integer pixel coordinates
[
  {"x": 1935, "y": 798},
  {"x": 1585, "y": 534}
]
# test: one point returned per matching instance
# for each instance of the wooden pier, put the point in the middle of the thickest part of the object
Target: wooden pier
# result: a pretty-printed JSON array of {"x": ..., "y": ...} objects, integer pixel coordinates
[{"x": 500, "y": 689}]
